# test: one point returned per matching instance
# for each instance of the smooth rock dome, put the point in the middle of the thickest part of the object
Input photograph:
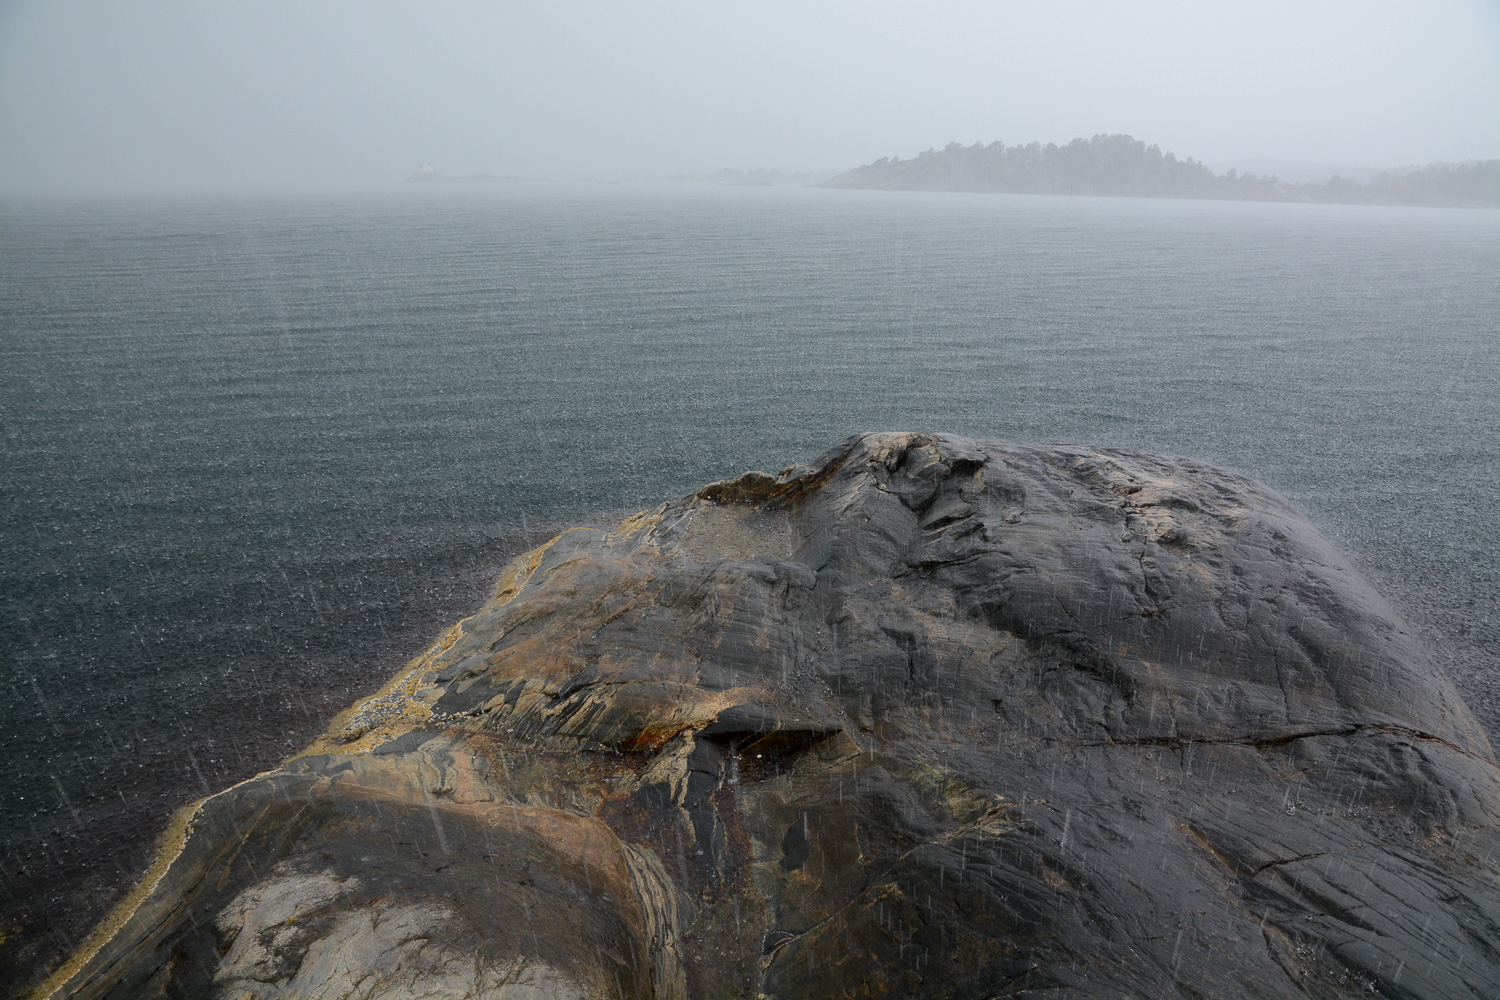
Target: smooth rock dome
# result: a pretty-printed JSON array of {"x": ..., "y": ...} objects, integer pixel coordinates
[{"x": 926, "y": 717}]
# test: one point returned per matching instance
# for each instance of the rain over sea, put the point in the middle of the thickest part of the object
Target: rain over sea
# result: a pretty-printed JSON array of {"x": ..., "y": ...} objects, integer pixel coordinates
[{"x": 257, "y": 452}]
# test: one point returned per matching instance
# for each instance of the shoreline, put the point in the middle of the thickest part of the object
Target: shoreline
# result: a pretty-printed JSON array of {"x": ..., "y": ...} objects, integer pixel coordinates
[
  {"x": 1421, "y": 608},
  {"x": 66, "y": 896}
]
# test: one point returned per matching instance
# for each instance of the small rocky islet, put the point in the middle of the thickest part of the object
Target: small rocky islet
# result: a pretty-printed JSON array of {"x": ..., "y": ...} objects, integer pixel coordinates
[{"x": 926, "y": 717}]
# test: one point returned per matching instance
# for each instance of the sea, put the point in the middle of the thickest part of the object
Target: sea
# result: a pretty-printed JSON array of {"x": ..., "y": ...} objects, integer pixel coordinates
[{"x": 257, "y": 451}]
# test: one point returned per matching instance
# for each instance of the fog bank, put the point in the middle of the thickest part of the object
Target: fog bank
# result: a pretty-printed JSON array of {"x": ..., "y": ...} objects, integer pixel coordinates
[{"x": 168, "y": 96}]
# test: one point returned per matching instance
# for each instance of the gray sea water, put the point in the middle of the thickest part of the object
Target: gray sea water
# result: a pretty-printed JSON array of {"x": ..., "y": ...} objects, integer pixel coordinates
[{"x": 255, "y": 452}]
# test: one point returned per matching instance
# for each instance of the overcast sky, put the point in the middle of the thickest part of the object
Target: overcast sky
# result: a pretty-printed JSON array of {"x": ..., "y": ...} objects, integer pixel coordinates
[{"x": 145, "y": 95}]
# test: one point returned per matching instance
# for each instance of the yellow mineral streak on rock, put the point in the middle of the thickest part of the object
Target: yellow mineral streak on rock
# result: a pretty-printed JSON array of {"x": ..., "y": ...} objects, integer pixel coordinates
[
  {"x": 638, "y": 521},
  {"x": 390, "y": 712},
  {"x": 515, "y": 576},
  {"x": 168, "y": 848},
  {"x": 396, "y": 709},
  {"x": 399, "y": 706}
]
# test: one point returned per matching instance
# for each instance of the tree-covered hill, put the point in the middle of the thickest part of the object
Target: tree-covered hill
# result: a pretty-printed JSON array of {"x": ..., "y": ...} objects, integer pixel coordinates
[{"x": 1120, "y": 165}]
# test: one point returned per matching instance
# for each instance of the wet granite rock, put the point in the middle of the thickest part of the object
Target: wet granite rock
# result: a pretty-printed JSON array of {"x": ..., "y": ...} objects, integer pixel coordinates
[{"x": 928, "y": 717}]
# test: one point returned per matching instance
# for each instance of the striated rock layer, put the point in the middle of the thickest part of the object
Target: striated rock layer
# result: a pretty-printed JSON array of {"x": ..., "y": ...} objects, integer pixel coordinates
[{"x": 929, "y": 717}]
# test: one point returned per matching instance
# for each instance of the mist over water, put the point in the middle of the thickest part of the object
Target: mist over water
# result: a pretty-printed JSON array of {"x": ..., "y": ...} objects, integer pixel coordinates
[{"x": 257, "y": 452}]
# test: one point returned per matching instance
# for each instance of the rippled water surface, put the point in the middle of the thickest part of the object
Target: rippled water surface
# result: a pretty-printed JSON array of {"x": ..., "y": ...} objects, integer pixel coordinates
[{"x": 255, "y": 452}]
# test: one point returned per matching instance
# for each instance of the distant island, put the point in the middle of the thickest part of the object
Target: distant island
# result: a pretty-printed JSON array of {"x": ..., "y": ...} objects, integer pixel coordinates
[
  {"x": 425, "y": 174},
  {"x": 1123, "y": 166},
  {"x": 763, "y": 177},
  {"x": 728, "y": 176}
]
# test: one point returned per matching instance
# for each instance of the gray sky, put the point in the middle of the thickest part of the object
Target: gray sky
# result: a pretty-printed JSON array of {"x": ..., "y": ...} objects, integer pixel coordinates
[{"x": 149, "y": 95}]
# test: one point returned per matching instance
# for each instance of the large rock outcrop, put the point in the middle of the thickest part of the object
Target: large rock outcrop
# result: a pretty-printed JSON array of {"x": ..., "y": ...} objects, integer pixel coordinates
[{"x": 929, "y": 717}]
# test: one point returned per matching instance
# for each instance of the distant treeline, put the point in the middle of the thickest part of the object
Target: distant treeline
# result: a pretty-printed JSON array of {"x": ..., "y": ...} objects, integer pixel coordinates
[{"x": 1119, "y": 165}]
